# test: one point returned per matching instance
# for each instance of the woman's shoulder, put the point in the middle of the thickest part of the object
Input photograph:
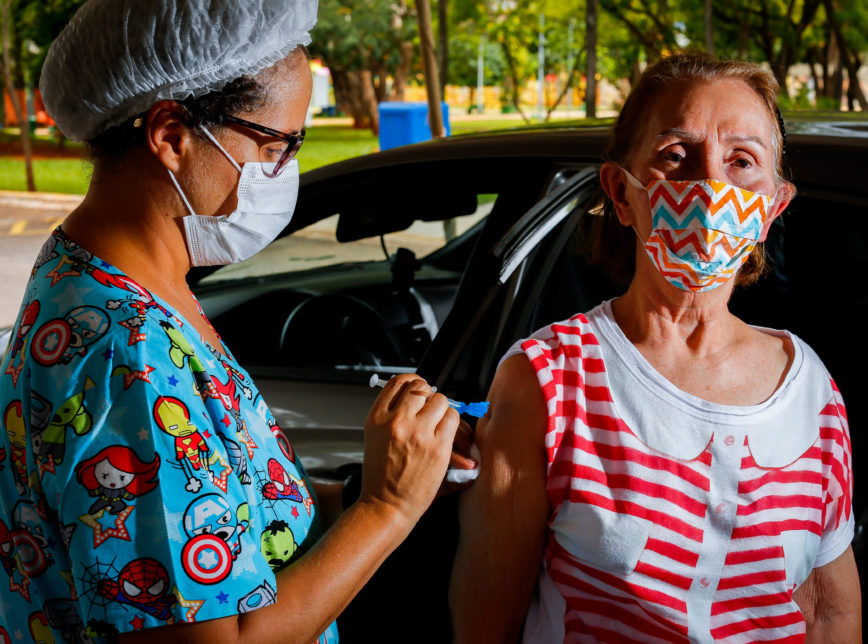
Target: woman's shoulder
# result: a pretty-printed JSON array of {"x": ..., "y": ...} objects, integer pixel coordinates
[
  {"x": 563, "y": 336},
  {"x": 807, "y": 390},
  {"x": 787, "y": 348}
]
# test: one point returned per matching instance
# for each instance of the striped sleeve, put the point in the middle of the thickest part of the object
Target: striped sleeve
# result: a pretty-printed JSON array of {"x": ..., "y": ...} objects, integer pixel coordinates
[{"x": 838, "y": 520}]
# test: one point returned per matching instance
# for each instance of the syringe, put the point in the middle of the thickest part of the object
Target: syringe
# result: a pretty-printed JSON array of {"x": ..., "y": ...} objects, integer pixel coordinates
[
  {"x": 454, "y": 474},
  {"x": 476, "y": 409}
]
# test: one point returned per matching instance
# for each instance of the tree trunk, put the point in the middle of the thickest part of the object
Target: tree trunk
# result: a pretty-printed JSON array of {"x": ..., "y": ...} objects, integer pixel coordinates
[
  {"x": 828, "y": 81},
  {"x": 838, "y": 84},
  {"x": 591, "y": 68},
  {"x": 831, "y": 63},
  {"x": 380, "y": 80},
  {"x": 370, "y": 106},
  {"x": 21, "y": 115},
  {"x": 709, "y": 35},
  {"x": 854, "y": 90},
  {"x": 443, "y": 34},
  {"x": 571, "y": 73},
  {"x": 429, "y": 63},
  {"x": 402, "y": 74},
  {"x": 818, "y": 84},
  {"x": 514, "y": 95},
  {"x": 822, "y": 80},
  {"x": 354, "y": 93},
  {"x": 343, "y": 93}
]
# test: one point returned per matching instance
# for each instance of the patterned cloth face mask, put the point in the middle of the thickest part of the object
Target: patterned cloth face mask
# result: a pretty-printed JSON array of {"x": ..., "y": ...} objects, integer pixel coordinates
[{"x": 701, "y": 231}]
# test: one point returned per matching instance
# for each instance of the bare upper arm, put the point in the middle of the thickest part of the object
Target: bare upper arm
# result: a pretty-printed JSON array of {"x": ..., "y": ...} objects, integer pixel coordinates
[
  {"x": 223, "y": 629},
  {"x": 503, "y": 514},
  {"x": 831, "y": 603}
]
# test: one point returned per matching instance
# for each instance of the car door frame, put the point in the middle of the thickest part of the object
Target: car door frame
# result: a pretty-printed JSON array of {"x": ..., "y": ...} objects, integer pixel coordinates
[{"x": 501, "y": 275}]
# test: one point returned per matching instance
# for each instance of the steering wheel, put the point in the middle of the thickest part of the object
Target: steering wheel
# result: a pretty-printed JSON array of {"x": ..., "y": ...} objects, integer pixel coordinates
[{"x": 329, "y": 330}]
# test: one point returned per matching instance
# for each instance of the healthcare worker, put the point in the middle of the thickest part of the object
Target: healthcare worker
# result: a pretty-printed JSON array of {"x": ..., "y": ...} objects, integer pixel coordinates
[{"x": 142, "y": 482}]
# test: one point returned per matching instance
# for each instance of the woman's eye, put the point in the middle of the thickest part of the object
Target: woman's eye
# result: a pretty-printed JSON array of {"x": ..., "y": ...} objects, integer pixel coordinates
[
  {"x": 672, "y": 156},
  {"x": 274, "y": 152},
  {"x": 742, "y": 163}
]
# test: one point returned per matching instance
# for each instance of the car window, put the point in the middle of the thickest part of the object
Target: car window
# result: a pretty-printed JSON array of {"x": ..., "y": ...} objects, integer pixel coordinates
[
  {"x": 324, "y": 309},
  {"x": 316, "y": 246},
  {"x": 504, "y": 290}
]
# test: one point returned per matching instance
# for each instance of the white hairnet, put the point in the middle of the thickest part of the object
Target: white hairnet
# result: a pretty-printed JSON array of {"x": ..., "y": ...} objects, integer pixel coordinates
[{"x": 116, "y": 58}]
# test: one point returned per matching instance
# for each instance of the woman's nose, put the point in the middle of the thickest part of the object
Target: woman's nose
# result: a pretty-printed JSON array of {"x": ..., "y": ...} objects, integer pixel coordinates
[{"x": 708, "y": 166}]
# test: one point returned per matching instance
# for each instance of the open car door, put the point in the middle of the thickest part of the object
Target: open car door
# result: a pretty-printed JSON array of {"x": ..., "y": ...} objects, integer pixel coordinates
[{"x": 494, "y": 302}]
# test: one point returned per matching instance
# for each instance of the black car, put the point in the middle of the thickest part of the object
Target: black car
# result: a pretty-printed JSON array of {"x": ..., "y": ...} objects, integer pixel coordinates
[{"x": 312, "y": 328}]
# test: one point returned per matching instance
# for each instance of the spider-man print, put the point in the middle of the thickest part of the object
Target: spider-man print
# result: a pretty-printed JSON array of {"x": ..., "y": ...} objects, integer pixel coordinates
[
  {"x": 144, "y": 584},
  {"x": 281, "y": 485}
]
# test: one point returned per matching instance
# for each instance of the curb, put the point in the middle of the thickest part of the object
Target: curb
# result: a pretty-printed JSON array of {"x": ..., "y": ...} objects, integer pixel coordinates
[{"x": 39, "y": 200}]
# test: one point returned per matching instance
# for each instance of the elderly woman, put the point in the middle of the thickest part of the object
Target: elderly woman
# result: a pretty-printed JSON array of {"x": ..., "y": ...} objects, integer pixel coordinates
[
  {"x": 656, "y": 470},
  {"x": 147, "y": 484}
]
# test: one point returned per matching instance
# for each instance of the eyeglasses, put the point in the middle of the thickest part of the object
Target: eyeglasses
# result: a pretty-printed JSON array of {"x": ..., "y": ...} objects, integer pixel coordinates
[{"x": 278, "y": 153}]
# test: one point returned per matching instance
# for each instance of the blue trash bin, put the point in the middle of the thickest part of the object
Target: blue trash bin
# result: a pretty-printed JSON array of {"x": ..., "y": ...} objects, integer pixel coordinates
[{"x": 406, "y": 123}]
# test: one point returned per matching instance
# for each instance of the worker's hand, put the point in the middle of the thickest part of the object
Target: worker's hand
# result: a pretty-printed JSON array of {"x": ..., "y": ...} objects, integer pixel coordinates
[{"x": 409, "y": 434}]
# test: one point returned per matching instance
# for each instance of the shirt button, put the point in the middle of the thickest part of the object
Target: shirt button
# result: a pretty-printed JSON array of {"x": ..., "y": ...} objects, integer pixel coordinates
[
  {"x": 729, "y": 440},
  {"x": 721, "y": 508},
  {"x": 704, "y": 582}
]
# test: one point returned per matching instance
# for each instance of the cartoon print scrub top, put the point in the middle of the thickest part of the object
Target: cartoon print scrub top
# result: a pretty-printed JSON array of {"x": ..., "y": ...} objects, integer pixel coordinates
[{"x": 143, "y": 480}]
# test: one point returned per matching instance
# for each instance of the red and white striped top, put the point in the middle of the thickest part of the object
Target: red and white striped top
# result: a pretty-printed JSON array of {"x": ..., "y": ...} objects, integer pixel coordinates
[{"x": 675, "y": 519}]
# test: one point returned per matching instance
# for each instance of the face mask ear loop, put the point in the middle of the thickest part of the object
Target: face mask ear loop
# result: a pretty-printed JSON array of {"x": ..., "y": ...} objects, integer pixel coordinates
[
  {"x": 220, "y": 147},
  {"x": 633, "y": 180},
  {"x": 181, "y": 192},
  {"x": 636, "y": 184}
]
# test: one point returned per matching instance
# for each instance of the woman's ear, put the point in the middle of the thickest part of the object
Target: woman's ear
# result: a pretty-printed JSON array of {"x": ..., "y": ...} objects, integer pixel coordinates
[
  {"x": 615, "y": 186},
  {"x": 168, "y": 135},
  {"x": 783, "y": 197}
]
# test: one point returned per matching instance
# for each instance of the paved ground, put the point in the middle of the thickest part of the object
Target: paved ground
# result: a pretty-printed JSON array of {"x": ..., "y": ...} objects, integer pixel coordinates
[{"x": 25, "y": 222}]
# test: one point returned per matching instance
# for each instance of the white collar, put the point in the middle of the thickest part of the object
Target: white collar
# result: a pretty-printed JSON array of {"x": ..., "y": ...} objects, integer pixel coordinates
[{"x": 681, "y": 425}]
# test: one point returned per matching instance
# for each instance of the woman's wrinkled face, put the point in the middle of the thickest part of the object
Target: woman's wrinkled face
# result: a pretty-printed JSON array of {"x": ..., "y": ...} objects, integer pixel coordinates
[{"x": 704, "y": 130}]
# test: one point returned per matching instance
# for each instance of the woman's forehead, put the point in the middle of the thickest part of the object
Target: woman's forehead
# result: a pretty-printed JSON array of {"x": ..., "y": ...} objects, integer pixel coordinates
[
  {"x": 725, "y": 108},
  {"x": 288, "y": 87}
]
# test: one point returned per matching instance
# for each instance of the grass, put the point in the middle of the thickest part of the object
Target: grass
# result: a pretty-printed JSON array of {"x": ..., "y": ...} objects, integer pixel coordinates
[
  {"x": 323, "y": 145},
  {"x": 326, "y": 144},
  {"x": 51, "y": 175}
]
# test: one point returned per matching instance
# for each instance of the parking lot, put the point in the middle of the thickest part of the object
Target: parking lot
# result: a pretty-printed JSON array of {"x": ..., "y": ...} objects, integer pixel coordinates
[{"x": 25, "y": 222}]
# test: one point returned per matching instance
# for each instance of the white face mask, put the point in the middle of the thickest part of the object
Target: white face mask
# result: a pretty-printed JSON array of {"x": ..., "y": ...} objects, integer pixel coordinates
[{"x": 265, "y": 207}]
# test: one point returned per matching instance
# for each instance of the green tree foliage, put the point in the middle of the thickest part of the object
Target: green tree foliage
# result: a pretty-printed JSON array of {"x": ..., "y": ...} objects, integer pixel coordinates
[
  {"x": 829, "y": 35},
  {"x": 512, "y": 26},
  {"x": 27, "y": 28},
  {"x": 656, "y": 26},
  {"x": 365, "y": 43},
  {"x": 464, "y": 60},
  {"x": 38, "y": 23}
]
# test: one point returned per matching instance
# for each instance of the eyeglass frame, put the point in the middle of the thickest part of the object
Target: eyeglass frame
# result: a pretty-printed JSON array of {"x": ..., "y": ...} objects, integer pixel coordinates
[{"x": 293, "y": 139}]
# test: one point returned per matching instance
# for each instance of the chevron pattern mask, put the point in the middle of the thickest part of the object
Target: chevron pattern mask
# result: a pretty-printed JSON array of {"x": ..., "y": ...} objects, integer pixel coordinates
[{"x": 702, "y": 231}]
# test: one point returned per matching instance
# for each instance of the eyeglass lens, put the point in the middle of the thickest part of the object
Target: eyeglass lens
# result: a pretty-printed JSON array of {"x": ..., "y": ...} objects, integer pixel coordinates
[{"x": 280, "y": 154}]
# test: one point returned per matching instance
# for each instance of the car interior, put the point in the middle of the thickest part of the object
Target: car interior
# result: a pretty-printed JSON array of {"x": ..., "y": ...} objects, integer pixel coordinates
[{"x": 379, "y": 312}]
